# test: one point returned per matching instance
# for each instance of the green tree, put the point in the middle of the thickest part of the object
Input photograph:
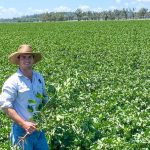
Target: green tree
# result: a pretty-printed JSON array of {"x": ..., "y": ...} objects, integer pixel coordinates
[
  {"x": 105, "y": 15},
  {"x": 132, "y": 13},
  {"x": 45, "y": 17},
  {"x": 117, "y": 13},
  {"x": 78, "y": 12},
  {"x": 124, "y": 13},
  {"x": 142, "y": 12}
]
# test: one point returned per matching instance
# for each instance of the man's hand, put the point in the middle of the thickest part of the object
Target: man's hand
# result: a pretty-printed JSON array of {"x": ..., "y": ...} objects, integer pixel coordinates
[{"x": 29, "y": 127}]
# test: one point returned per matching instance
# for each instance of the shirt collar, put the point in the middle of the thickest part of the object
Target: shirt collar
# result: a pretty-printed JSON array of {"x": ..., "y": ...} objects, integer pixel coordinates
[{"x": 19, "y": 72}]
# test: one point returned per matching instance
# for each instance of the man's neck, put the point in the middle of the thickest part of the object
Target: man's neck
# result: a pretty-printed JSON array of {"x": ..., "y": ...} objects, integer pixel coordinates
[{"x": 27, "y": 72}]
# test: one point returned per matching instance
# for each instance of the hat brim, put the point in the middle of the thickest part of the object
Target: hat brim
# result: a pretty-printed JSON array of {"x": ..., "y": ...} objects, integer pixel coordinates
[{"x": 13, "y": 58}]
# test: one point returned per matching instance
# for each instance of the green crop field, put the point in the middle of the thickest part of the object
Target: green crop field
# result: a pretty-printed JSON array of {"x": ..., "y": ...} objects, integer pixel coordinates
[{"x": 98, "y": 77}]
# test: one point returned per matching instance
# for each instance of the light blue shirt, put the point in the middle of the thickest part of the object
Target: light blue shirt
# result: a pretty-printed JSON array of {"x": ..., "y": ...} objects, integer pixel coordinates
[{"x": 18, "y": 89}]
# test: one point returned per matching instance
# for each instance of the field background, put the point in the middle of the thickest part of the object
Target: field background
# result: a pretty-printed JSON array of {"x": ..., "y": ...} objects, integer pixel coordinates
[{"x": 98, "y": 77}]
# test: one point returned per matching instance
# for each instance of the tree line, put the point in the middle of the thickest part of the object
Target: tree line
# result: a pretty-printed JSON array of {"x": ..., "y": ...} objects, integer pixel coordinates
[{"x": 80, "y": 15}]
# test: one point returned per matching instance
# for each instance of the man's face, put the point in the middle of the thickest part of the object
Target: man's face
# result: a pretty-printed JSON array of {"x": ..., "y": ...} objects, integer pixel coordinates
[{"x": 26, "y": 61}]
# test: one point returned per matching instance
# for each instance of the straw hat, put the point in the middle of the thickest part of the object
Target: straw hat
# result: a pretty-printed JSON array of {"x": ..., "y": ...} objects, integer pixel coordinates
[{"x": 24, "y": 49}]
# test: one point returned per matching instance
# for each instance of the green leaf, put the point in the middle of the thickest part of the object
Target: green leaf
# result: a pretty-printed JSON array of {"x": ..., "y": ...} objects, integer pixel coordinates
[
  {"x": 31, "y": 119},
  {"x": 31, "y": 101},
  {"x": 51, "y": 89},
  {"x": 40, "y": 106},
  {"x": 30, "y": 108},
  {"x": 40, "y": 96}
]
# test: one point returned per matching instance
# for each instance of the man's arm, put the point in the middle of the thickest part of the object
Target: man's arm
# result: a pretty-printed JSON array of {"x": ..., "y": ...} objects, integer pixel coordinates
[{"x": 28, "y": 126}]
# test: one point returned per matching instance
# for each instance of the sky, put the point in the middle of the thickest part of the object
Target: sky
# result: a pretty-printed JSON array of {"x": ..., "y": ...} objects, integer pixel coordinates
[{"x": 18, "y": 8}]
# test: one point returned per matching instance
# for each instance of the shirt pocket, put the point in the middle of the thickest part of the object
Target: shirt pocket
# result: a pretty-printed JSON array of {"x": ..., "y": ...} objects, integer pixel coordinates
[
  {"x": 38, "y": 86},
  {"x": 23, "y": 92},
  {"x": 39, "y": 89}
]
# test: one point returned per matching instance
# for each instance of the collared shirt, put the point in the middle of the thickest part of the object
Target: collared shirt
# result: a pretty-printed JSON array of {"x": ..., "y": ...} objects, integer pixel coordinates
[{"x": 18, "y": 90}]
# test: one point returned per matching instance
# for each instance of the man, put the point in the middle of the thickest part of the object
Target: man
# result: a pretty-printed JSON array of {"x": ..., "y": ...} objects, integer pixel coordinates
[{"x": 18, "y": 89}]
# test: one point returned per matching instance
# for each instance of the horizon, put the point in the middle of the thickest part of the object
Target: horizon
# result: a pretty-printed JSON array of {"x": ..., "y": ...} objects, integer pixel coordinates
[{"x": 14, "y": 8}]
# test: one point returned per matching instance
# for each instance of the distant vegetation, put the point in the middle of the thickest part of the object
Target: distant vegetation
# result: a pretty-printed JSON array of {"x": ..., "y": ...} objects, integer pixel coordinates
[{"x": 79, "y": 15}]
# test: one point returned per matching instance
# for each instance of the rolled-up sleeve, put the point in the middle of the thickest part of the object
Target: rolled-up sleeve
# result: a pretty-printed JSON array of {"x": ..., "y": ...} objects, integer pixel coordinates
[{"x": 8, "y": 94}]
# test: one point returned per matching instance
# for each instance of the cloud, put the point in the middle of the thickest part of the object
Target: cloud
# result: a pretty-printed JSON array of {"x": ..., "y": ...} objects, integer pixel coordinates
[
  {"x": 118, "y": 1},
  {"x": 14, "y": 13},
  {"x": 84, "y": 8},
  {"x": 143, "y": 0},
  {"x": 119, "y": 4},
  {"x": 8, "y": 12},
  {"x": 127, "y": 4},
  {"x": 99, "y": 9},
  {"x": 138, "y": 4},
  {"x": 31, "y": 11},
  {"x": 112, "y": 8},
  {"x": 62, "y": 9}
]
